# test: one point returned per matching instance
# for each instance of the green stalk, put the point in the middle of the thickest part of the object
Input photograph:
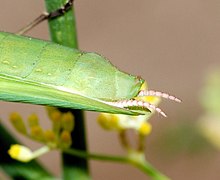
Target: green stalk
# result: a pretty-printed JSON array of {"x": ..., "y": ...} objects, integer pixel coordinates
[
  {"x": 134, "y": 158},
  {"x": 63, "y": 31}
]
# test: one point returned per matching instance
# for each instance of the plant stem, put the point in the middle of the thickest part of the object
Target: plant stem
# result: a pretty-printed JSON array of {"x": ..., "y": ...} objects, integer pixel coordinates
[
  {"x": 148, "y": 169},
  {"x": 41, "y": 151},
  {"x": 63, "y": 31},
  {"x": 134, "y": 159}
]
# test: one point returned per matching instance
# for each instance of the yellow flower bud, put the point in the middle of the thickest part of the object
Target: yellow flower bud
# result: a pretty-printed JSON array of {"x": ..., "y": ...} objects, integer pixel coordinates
[
  {"x": 55, "y": 117},
  {"x": 54, "y": 113},
  {"x": 50, "y": 110},
  {"x": 33, "y": 120},
  {"x": 37, "y": 133},
  {"x": 24, "y": 154},
  {"x": 18, "y": 123},
  {"x": 50, "y": 136},
  {"x": 145, "y": 129},
  {"x": 68, "y": 121},
  {"x": 65, "y": 139},
  {"x": 108, "y": 121},
  {"x": 153, "y": 99},
  {"x": 20, "y": 153}
]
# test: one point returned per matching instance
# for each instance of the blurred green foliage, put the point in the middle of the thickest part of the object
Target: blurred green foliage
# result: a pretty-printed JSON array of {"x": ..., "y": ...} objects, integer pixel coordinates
[
  {"x": 210, "y": 95},
  {"x": 194, "y": 136}
]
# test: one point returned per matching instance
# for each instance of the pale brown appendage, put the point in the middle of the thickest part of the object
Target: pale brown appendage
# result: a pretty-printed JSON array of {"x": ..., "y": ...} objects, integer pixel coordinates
[
  {"x": 136, "y": 103},
  {"x": 158, "y": 94},
  {"x": 139, "y": 103}
]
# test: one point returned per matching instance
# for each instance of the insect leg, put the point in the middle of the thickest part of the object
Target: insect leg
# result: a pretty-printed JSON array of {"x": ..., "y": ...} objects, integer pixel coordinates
[
  {"x": 137, "y": 103},
  {"x": 45, "y": 15}
]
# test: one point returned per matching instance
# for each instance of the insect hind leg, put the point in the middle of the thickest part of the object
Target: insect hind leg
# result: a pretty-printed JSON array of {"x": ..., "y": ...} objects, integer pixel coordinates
[
  {"x": 45, "y": 15},
  {"x": 137, "y": 103}
]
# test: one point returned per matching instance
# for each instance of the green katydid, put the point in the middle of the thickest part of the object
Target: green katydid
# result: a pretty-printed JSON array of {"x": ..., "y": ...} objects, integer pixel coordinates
[{"x": 41, "y": 72}]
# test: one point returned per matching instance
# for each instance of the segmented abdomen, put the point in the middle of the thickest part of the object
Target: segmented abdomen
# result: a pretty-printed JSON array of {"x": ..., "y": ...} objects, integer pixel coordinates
[
  {"x": 44, "y": 62},
  {"x": 35, "y": 60}
]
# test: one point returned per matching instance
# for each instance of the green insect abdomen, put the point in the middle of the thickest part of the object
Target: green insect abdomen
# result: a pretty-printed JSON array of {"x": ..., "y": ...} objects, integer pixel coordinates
[
  {"x": 35, "y": 60},
  {"x": 97, "y": 77},
  {"x": 44, "y": 62}
]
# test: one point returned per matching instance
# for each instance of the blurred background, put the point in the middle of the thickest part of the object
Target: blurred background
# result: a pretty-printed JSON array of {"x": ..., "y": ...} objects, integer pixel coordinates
[{"x": 174, "y": 46}]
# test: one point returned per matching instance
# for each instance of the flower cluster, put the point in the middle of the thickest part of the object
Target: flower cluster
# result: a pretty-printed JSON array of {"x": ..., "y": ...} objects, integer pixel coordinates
[{"x": 58, "y": 137}]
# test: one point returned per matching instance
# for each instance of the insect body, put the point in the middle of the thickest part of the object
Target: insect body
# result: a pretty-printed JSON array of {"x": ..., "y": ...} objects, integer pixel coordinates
[{"x": 41, "y": 72}]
